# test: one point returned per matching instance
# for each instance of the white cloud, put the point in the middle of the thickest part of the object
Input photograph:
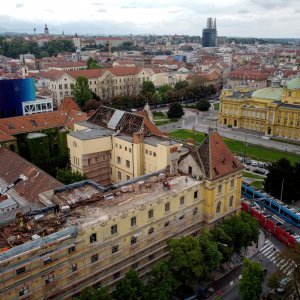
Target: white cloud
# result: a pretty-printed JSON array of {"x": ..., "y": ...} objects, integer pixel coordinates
[{"x": 234, "y": 17}]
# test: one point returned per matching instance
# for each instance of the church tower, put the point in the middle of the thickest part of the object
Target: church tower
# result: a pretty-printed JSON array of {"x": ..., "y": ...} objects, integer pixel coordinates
[{"x": 46, "y": 30}]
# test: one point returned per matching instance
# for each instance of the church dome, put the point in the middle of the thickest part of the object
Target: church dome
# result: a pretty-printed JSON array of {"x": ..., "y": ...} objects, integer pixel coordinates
[
  {"x": 269, "y": 93},
  {"x": 293, "y": 84}
]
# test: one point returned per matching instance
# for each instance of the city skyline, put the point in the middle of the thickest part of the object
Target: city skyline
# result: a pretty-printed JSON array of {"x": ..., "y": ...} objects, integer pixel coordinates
[{"x": 248, "y": 18}]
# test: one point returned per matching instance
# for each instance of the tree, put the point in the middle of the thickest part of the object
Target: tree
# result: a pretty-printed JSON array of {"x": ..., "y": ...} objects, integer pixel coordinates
[
  {"x": 148, "y": 88},
  {"x": 90, "y": 293},
  {"x": 92, "y": 63},
  {"x": 211, "y": 254},
  {"x": 281, "y": 178},
  {"x": 175, "y": 110},
  {"x": 242, "y": 229},
  {"x": 91, "y": 104},
  {"x": 203, "y": 105},
  {"x": 223, "y": 241},
  {"x": 250, "y": 285},
  {"x": 129, "y": 288},
  {"x": 81, "y": 90},
  {"x": 161, "y": 283},
  {"x": 186, "y": 259},
  {"x": 67, "y": 176},
  {"x": 181, "y": 85}
]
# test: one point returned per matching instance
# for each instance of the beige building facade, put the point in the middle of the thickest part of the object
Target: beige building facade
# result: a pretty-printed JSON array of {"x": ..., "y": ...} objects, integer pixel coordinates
[{"x": 275, "y": 111}]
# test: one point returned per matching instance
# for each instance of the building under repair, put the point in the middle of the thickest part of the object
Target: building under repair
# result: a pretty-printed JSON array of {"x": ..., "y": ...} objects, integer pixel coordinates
[
  {"x": 90, "y": 235},
  {"x": 115, "y": 146}
]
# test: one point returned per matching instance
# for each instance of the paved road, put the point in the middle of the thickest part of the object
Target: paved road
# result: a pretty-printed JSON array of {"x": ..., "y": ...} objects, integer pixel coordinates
[{"x": 208, "y": 120}]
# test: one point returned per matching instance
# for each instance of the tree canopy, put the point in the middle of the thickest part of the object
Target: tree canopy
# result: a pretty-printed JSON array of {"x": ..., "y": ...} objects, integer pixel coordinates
[
  {"x": 250, "y": 285},
  {"x": 81, "y": 91},
  {"x": 148, "y": 88},
  {"x": 203, "y": 105},
  {"x": 90, "y": 293},
  {"x": 92, "y": 63},
  {"x": 67, "y": 176},
  {"x": 286, "y": 177},
  {"x": 175, "y": 110}
]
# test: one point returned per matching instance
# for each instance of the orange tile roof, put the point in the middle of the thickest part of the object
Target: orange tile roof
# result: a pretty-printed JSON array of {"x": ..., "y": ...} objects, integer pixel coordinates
[
  {"x": 67, "y": 104},
  {"x": 217, "y": 159},
  {"x": 91, "y": 73},
  {"x": 4, "y": 137},
  {"x": 124, "y": 71},
  {"x": 36, "y": 122},
  {"x": 52, "y": 74},
  {"x": 13, "y": 165}
]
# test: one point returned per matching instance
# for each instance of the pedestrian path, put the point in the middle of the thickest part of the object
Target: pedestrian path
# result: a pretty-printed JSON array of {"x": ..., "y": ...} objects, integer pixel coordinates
[{"x": 271, "y": 252}]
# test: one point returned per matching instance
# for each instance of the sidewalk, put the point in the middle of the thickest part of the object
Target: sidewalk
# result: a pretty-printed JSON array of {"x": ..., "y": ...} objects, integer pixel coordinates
[{"x": 221, "y": 283}]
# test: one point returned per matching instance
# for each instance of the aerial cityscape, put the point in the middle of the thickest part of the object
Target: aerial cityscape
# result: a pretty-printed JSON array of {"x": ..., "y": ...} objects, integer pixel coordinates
[{"x": 150, "y": 150}]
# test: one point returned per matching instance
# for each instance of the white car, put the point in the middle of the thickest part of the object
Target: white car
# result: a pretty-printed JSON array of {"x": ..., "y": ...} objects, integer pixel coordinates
[{"x": 254, "y": 163}]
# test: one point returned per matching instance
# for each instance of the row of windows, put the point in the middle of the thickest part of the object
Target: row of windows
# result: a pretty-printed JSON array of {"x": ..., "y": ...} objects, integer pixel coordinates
[
  {"x": 76, "y": 160},
  {"x": 119, "y": 162},
  {"x": 125, "y": 148},
  {"x": 119, "y": 175},
  {"x": 150, "y": 153},
  {"x": 218, "y": 209}
]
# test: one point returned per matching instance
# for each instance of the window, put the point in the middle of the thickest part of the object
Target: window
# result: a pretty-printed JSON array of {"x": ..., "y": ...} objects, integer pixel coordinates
[
  {"x": 151, "y": 257},
  {"x": 127, "y": 164},
  {"x": 23, "y": 291},
  {"x": 93, "y": 238},
  {"x": 146, "y": 151},
  {"x": 195, "y": 195},
  {"x": 118, "y": 159},
  {"x": 220, "y": 188},
  {"x": 181, "y": 217},
  {"x": 134, "y": 265},
  {"x": 232, "y": 183},
  {"x": 71, "y": 249},
  {"x": 115, "y": 249},
  {"x": 230, "y": 201},
  {"x": 20, "y": 270},
  {"x": 218, "y": 207},
  {"x": 129, "y": 150},
  {"x": 133, "y": 221},
  {"x": 116, "y": 145},
  {"x": 114, "y": 229},
  {"x": 73, "y": 267},
  {"x": 66, "y": 86},
  {"x": 150, "y": 214},
  {"x": 94, "y": 258},
  {"x": 49, "y": 278},
  {"x": 117, "y": 275},
  {"x": 167, "y": 224},
  {"x": 151, "y": 230},
  {"x": 195, "y": 211},
  {"x": 182, "y": 200},
  {"x": 190, "y": 170},
  {"x": 154, "y": 154},
  {"x": 119, "y": 175},
  {"x": 120, "y": 146},
  {"x": 167, "y": 206},
  {"x": 133, "y": 240}
]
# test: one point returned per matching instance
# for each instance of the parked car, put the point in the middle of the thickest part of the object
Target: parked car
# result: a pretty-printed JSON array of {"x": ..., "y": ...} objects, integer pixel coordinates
[
  {"x": 282, "y": 285},
  {"x": 254, "y": 163},
  {"x": 260, "y": 164},
  {"x": 247, "y": 161},
  {"x": 258, "y": 171}
]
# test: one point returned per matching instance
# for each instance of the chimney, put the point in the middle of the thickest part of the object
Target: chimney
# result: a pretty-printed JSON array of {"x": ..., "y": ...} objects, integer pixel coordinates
[{"x": 137, "y": 138}]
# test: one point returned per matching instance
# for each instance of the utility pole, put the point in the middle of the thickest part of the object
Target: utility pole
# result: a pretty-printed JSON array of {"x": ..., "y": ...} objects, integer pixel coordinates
[{"x": 281, "y": 189}]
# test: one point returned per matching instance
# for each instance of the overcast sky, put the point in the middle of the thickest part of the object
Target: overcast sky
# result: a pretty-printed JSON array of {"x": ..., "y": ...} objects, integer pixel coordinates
[{"x": 255, "y": 18}]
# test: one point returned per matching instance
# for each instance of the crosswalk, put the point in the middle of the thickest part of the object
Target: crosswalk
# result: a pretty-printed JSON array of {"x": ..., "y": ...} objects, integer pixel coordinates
[{"x": 270, "y": 251}]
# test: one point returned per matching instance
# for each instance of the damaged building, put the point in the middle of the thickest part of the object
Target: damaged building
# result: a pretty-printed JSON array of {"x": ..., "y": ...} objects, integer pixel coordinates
[{"x": 91, "y": 235}]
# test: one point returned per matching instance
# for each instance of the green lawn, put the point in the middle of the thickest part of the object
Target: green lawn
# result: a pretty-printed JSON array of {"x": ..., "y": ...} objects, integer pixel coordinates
[
  {"x": 237, "y": 147},
  {"x": 164, "y": 121},
  {"x": 258, "y": 184},
  {"x": 251, "y": 175},
  {"x": 286, "y": 141}
]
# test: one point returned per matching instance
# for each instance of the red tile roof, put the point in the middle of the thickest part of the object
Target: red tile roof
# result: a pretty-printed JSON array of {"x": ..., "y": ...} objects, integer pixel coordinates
[
  {"x": 13, "y": 165},
  {"x": 67, "y": 104},
  {"x": 91, "y": 73},
  {"x": 248, "y": 74},
  {"x": 36, "y": 122},
  {"x": 217, "y": 159},
  {"x": 52, "y": 74},
  {"x": 4, "y": 137},
  {"x": 124, "y": 71}
]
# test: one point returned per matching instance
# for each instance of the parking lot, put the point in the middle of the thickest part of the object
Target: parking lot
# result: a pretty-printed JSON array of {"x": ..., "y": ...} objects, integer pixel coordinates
[{"x": 254, "y": 166}]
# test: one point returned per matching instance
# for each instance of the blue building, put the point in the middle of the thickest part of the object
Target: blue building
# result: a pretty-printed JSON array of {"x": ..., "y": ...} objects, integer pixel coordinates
[{"x": 13, "y": 92}]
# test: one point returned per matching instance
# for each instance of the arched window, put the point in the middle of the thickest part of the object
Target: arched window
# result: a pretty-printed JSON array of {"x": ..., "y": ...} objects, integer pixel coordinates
[
  {"x": 230, "y": 201},
  {"x": 218, "y": 207},
  {"x": 151, "y": 230}
]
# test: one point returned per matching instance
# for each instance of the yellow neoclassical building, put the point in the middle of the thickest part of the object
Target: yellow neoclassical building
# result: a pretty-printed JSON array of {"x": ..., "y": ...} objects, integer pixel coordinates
[
  {"x": 273, "y": 110},
  {"x": 90, "y": 235}
]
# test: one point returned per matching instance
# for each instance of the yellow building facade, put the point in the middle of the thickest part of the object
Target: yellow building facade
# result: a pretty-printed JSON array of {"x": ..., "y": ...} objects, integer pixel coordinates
[
  {"x": 275, "y": 110},
  {"x": 101, "y": 233},
  {"x": 107, "y": 154}
]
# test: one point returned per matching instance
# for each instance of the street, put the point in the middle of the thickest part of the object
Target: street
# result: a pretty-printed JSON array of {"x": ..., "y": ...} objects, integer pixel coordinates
[{"x": 203, "y": 121}]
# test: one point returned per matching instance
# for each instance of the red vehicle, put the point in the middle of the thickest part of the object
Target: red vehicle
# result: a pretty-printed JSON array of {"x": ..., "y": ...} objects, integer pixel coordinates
[{"x": 271, "y": 223}]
